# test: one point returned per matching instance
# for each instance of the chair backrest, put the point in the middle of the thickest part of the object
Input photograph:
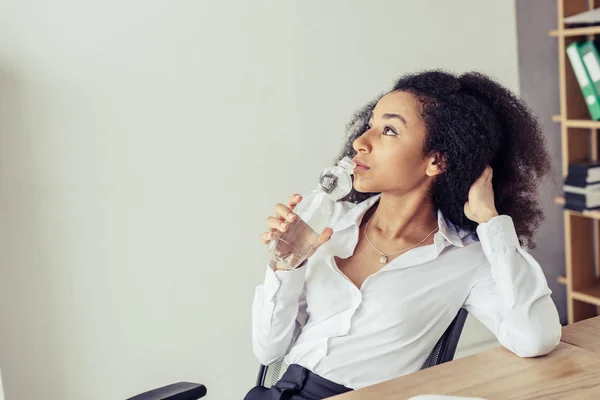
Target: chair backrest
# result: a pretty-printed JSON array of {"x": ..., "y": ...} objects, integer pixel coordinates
[
  {"x": 445, "y": 348},
  {"x": 443, "y": 351}
]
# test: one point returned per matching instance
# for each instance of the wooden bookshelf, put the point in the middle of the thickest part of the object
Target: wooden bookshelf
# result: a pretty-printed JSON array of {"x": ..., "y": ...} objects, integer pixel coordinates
[
  {"x": 577, "y": 123},
  {"x": 589, "y": 294},
  {"x": 579, "y": 142},
  {"x": 569, "y": 32}
]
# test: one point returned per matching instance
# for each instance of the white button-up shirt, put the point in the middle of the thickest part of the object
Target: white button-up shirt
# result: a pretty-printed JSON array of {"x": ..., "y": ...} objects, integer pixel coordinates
[{"x": 388, "y": 327}]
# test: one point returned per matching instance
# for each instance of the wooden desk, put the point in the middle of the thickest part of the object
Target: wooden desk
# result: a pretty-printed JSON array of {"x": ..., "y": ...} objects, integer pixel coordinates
[
  {"x": 584, "y": 334},
  {"x": 571, "y": 371}
]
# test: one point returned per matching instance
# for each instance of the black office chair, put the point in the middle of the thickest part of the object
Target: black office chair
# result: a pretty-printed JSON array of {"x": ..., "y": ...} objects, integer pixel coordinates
[
  {"x": 443, "y": 351},
  {"x": 176, "y": 391}
]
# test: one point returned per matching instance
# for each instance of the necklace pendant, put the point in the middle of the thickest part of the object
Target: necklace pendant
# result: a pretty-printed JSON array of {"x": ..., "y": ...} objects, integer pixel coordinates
[{"x": 383, "y": 259}]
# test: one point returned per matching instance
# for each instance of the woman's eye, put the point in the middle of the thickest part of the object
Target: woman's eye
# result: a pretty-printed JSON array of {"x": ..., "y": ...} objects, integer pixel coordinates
[{"x": 388, "y": 131}]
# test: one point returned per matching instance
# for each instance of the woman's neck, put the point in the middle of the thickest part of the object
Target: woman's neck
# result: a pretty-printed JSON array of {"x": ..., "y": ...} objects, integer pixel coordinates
[{"x": 404, "y": 216}]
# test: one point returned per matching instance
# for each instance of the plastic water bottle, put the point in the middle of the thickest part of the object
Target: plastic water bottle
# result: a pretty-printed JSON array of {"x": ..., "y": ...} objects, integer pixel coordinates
[{"x": 315, "y": 211}]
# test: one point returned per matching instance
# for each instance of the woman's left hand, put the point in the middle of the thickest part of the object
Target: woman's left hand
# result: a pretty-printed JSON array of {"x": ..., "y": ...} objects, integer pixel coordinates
[{"x": 480, "y": 207}]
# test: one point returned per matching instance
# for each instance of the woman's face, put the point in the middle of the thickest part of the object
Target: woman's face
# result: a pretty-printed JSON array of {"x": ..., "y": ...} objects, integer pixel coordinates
[{"x": 392, "y": 148}]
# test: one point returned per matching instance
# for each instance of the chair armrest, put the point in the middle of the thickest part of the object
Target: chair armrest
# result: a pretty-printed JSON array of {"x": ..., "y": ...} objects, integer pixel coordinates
[{"x": 176, "y": 391}]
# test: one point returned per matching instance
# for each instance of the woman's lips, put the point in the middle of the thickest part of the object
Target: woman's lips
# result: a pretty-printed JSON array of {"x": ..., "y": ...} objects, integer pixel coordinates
[{"x": 360, "y": 165}]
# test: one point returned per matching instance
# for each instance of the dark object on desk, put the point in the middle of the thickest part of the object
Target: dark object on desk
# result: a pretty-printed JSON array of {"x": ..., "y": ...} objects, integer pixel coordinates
[
  {"x": 443, "y": 352},
  {"x": 176, "y": 391}
]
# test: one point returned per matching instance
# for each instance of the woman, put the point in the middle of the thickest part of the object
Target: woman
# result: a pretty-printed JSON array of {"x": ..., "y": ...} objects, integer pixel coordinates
[{"x": 445, "y": 199}]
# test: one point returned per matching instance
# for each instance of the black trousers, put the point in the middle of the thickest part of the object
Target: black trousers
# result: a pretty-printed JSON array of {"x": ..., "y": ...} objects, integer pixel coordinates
[{"x": 298, "y": 383}]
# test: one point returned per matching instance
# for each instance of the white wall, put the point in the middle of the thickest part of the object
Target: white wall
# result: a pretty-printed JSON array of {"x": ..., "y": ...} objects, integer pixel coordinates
[{"x": 142, "y": 145}]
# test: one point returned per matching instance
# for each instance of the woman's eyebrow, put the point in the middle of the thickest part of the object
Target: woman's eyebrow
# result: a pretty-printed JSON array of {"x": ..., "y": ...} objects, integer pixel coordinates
[{"x": 397, "y": 116}]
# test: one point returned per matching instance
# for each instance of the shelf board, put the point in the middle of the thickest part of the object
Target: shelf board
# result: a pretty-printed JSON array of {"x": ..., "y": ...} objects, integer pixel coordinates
[
  {"x": 590, "y": 30},
  {"x": 562, "y": 279},
  {"x": 577, "y": 123},
  {"x": 590, "y": 294},
  {"x": 590, "y": 214}
]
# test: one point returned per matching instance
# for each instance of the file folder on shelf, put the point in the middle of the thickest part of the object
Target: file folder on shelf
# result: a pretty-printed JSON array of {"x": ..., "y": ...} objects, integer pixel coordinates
[{"x": 576, "y": 53}]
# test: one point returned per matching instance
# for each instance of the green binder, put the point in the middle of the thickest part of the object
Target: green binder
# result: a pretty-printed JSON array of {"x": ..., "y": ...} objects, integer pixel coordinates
[
  {"x": 591, "y": 60},
  {"x": 589, "y": 87}
]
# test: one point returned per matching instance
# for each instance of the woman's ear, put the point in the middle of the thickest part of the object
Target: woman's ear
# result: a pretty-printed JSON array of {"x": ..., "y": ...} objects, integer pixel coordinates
[{"x": 436, "y": 165}]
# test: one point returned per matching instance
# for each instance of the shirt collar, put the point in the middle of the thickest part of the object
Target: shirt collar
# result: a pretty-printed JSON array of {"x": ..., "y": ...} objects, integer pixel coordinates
[
  {"x": 355, "y": 215},
  {"x": 449, "y": 231}
]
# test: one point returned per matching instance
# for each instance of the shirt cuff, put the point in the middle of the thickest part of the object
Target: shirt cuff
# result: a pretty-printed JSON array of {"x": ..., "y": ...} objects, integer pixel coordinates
[
  {"x": 289, "y": 283},
  {"x": 497, "y": 234}
]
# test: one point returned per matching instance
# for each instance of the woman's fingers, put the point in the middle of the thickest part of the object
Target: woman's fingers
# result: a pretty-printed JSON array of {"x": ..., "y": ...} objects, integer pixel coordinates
[
  {"x": 277, "y": 224},
  {"x": 293, "y": 201},
  {"x": 488, "y": 173},
  {"x": 282, "y": 219},
  {"x": 285, "y": 213},
  {"x": 325, "y": 236},
  {"x": 266, "y": 237},
  {"x": 486, "y": 176}
]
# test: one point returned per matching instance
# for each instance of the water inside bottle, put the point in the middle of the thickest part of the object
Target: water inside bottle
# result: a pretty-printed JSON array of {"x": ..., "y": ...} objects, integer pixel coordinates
[{"x": 293, "y": 246}]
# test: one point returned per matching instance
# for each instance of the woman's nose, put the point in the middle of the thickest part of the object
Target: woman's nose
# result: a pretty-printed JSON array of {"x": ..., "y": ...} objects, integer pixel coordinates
[{"x": 361, "y": 144}]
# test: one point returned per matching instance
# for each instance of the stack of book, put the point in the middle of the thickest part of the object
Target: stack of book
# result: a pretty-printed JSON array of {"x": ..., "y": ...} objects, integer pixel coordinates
[{"x": 582, "y": 186}]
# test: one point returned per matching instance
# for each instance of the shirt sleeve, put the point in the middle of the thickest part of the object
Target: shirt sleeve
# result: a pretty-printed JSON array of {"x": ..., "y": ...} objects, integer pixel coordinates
[
  {"x": 278, "y": 312},
  {"x": 510, "y": 294}
]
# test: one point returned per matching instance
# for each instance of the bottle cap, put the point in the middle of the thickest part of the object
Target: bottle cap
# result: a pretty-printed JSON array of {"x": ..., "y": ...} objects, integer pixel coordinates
[
  {"x": 347, "y": 164},
  {"x": 329, "y": 178}
]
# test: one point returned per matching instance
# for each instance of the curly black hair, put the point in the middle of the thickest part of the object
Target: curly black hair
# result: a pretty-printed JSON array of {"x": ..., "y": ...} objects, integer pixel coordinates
[{"x": 472, "y": 121}]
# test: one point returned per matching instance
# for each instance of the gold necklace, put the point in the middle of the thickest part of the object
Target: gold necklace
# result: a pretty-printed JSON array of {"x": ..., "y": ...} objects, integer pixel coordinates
[{"x": 385, "y": 257}]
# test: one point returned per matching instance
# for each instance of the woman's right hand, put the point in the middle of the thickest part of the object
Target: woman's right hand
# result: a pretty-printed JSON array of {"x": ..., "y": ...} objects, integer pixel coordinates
[{"x": 284, "y": 216}]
